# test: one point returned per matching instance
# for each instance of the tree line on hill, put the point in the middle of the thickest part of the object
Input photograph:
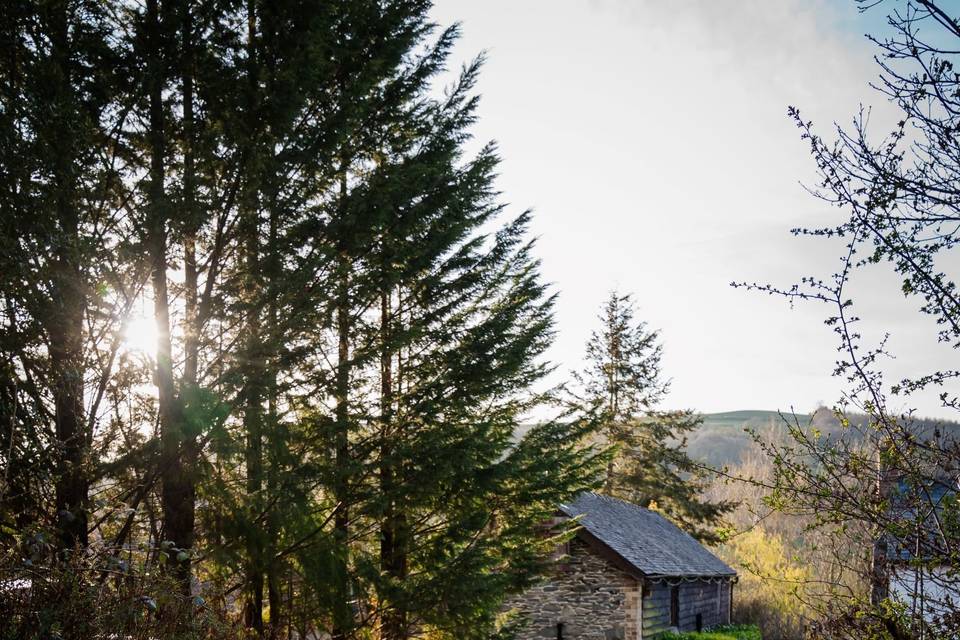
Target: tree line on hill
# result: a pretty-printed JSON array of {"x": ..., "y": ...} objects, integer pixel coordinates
[{"x": 348, "y": 329}]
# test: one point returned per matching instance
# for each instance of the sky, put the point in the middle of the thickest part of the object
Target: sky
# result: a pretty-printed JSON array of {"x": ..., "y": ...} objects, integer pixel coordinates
[{"x": 652, "y": 141}]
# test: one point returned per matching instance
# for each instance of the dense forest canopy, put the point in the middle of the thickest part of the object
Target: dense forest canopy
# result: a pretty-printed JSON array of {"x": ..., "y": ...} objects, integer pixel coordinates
[{"x": 266, "y": 331}]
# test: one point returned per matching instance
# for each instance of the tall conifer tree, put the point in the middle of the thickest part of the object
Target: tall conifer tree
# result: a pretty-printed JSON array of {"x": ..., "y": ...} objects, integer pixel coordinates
[
  {"x": 450, "y": 327},
  {"x": 350, "y": 328},
  {"x": 622, "y": 384},
  {"x": 56, "y": 230}
]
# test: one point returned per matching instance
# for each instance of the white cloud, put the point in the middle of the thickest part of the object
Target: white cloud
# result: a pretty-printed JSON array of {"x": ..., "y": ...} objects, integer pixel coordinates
[{"x": 653, "y": 142}]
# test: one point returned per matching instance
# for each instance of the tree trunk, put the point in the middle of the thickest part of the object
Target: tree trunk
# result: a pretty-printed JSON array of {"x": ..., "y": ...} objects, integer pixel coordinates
[
  {"x": 65, "y": 324},
  {"x": 277, "y": 443},
  {"x": 343, "y": 610},
  {"x": 186, "y": 482},
  {"x": 192, "y": 226},
  {"x": 66, "y": 356},
  {"x": 253, "y": 348},
  {"x": 253, "y": 426},
  {"x": 392, "y": 550},
  {"x": 176, "y": 497}
]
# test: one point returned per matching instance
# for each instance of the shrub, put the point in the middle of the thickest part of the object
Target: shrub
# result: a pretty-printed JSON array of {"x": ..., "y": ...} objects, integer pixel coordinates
[
  {"x": 98, "y": 595},
  {"x": 772, "y": 581}
]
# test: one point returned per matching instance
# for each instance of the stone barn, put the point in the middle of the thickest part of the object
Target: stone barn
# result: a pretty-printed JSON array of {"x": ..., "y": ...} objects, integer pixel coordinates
[{"x": 628, "y": 574}]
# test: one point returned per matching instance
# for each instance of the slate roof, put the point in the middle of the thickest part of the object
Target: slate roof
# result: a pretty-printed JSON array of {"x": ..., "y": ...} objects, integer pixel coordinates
[{"x": 645, "y": 540}]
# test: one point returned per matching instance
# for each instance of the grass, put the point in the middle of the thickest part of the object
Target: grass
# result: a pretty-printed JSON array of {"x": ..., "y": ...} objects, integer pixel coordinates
[{"x": 727, "y": 632}]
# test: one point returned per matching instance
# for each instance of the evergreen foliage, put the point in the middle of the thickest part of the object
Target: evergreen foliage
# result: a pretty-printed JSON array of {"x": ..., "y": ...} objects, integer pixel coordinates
[
  {"x": 622, "y": 385},
  {"x": 349, "y": 327}
]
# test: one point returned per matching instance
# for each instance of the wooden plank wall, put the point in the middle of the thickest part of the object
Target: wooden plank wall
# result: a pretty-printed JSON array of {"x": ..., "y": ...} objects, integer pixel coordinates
[
  {"x": 656, "y": 610},
  {"x": 709, "y": 599}
]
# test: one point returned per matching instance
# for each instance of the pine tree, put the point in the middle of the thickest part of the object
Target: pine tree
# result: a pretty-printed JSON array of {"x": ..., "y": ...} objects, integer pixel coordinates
[
  {"x": 622, "y": 385},
  {"x": 57, "y": 188},
  {"x": 182, "y": 216},
  {"x": 459, "y": 325},
  {"x": 344, "y": 364},
  {"x": 427, "y": 338}
]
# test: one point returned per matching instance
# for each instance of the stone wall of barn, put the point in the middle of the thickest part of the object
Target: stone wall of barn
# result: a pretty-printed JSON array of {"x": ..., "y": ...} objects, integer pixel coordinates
[
  {"x": 709, "y": 599},
  {"x": 591, "y": 598}
]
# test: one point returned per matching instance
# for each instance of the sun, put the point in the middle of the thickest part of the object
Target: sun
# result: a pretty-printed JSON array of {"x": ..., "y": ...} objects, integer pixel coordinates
[{"x": 140, "y": 335}]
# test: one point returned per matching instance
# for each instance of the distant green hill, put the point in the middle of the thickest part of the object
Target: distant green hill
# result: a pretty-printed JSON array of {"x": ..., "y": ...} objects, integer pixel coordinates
[
  {"x": 722, "y": 438},
  {"x": 751, "y": 418}
]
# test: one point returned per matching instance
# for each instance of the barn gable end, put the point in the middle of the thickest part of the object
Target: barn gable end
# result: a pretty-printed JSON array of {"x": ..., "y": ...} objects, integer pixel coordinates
[
  {"x": 629, "y": 574},
  {"x": 588, "y": 596}
]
